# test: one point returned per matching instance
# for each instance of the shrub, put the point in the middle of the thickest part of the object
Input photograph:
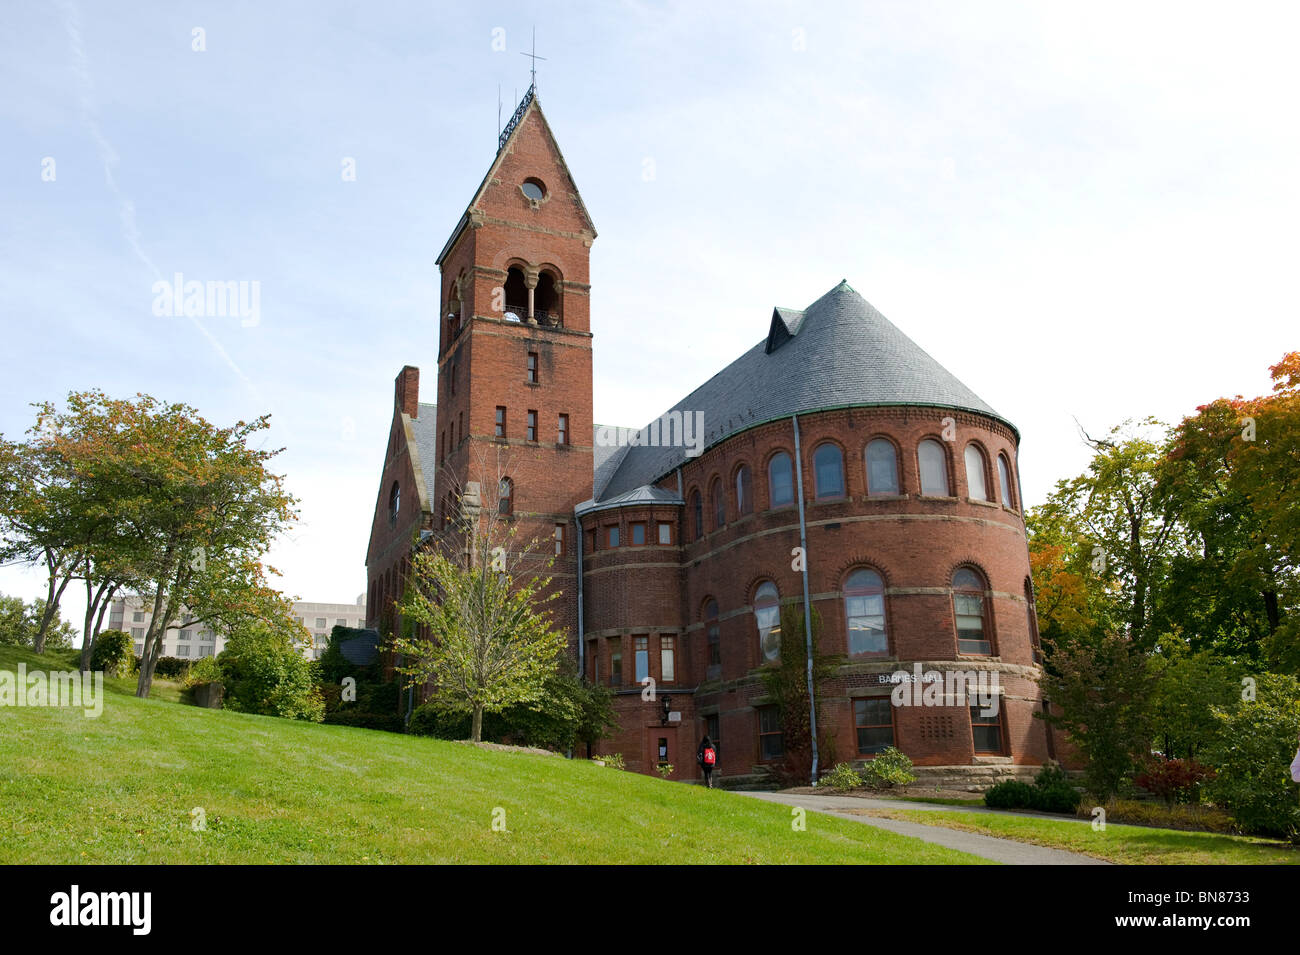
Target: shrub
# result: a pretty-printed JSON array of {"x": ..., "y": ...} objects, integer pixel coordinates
[
  {"x": 569, "y": 714},
  {"x": 890, "y": 768},
  {"x": 842, "y": 777},
  {"x": 377, "y": 706},
  {"x": 114, "y": 653},
  {"x": 430, "y": 720},
  {"x": 264, "y": 672},
  {"x": 203, "y": 670},
  {"x": 1252, "y": 759},
  {"x": 334, "y": 666},
  {"x": 1148, "y": 813},
  {"x": 612, "y": 760},
  {"x": 1100, "y": 693},
  {"x": 1051, "y": 792},
  {"x": 1010, "y": 794},
  {"x": 1174, "y": 780},
  {"x": 174, "y": 668}
]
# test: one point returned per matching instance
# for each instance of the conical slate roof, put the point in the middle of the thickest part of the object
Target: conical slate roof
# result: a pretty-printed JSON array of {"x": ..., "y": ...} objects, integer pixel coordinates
[{"x": 839, "y": 352}]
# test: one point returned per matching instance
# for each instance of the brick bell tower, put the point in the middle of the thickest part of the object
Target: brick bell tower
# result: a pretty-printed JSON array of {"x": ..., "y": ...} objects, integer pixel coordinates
[{"x": 514, "y": 348}]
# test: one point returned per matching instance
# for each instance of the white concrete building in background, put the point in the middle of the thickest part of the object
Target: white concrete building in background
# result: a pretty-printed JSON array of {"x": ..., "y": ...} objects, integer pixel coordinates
[{"x": 199, "y": 640}]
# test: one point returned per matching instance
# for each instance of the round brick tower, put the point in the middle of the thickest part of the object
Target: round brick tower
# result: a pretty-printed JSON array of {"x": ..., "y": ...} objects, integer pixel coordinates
[{"x": 839, "y": 449}]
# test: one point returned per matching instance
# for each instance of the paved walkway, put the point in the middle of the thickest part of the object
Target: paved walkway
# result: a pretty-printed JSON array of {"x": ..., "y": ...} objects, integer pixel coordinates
[{"x": 988, "y": 847}]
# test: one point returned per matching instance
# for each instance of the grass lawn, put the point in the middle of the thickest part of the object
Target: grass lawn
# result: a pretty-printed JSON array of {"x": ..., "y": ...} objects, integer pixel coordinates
[
  {"x": 120, "y": 789},
  {"x": 1129, "y": 845}
]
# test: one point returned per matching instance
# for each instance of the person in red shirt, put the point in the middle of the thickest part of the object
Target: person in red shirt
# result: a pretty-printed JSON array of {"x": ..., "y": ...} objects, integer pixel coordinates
[{"x": 707, "y": 757}]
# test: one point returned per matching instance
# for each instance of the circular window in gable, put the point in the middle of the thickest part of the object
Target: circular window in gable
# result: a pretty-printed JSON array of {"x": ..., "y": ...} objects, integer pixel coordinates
[{"x": 534, "y": 189}]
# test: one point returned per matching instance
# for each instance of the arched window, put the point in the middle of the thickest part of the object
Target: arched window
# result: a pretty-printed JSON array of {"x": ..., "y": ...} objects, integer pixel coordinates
[
  {"x": 744, "y": 490},
  {"x": 864, "y": 608},
  {"x": 968, "y": 605},
  {"x": 828, "y": 467},
  {"x": 546, "y": 300},
  {"x": 516, "y": 295},
  {"x": 713, "y": 636},
  {"x": 976, "y": 486},
  {"x": 882, "y": 467},
  {"x": 780, "y": 480},
  {"x": 1004, "y": 480},
  {"x": 1034, "y": 640},
  {"x": 394, "y": 504},
  {"x": 767, "y": 616},
  {"x": 697, "y": 511},
  {"x": 934, "y": 468},
  {"x": 506, "y": 497},
  {"x": 719, "y": 504}
]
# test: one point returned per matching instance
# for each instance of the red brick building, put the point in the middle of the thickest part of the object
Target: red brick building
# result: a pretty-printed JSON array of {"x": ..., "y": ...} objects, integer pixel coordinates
[{"x": 835, "y": 437}]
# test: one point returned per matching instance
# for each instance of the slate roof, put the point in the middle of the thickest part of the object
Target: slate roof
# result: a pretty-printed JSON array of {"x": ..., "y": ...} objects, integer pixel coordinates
[
  {"x": 838, "y": 352},
  {"x": 645, "y": 494},
  {"x": 425, "y": 428},
  {"x": 605, "y": 458}
]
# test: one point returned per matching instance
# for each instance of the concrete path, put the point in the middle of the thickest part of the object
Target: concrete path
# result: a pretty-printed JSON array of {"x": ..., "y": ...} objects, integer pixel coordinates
[{"x": 988, "y": 847}]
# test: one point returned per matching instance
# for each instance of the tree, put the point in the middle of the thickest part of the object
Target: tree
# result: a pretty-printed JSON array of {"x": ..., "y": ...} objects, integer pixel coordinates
[
  {"x": 1099, "y": 691},
  {"x": 1231, "y": 474},
  {"x": 786, "y": 682},
  {"x": 480, "y": 592},
  {"x": 21, "y": 623},
  {"x": 1116, "y": 512},
  {"x": 1071, "y": 600},
  {"x": 1187, "y": 688},
  {"x": 41, "y": 517},
  {"x": 177, "y": 508}
]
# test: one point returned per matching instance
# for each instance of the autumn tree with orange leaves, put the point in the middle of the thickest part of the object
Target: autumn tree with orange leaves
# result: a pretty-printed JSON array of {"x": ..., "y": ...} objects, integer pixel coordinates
[{"x": 1233, "y": 475}]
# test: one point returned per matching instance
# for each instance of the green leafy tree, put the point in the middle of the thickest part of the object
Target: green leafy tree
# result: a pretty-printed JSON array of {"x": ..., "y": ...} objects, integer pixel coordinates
[
  {"x": 185, "y": 512},
  {"x": 1187, "y": 688},
  {"x": 480, "y": 595},
  {"x": 1099, "y": 692},
  {"x": 1114, "y": 521},
  {"x": 50, "y": 516},
  {"x": 264, "y": 671},
  {"x": 21, "y": 623}
]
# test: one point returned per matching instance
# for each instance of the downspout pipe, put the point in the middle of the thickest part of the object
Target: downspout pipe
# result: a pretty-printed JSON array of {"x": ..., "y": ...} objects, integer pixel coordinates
[
  {"x": 807, "y": 601},
  {"x": 582, "y": 643}
]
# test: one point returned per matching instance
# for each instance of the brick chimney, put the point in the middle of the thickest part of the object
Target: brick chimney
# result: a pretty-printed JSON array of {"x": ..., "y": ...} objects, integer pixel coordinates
[{"x": 407, "y": 397}]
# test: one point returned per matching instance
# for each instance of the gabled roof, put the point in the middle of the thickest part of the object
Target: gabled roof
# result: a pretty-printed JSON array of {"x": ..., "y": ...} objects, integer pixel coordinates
[
  {"x": 840, "y": 352},
  {"x": 424, "y": 431},
  {"x": 527, "y": 107},
  {"x": 785, "y": 325}
]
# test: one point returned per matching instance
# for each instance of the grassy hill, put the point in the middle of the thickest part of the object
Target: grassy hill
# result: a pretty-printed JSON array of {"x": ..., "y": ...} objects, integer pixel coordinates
[{"x": 121, "y": 788}]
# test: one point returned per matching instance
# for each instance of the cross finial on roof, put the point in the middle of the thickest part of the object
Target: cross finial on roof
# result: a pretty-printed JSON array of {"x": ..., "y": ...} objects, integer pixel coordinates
[{"x": 534, "y": 57}]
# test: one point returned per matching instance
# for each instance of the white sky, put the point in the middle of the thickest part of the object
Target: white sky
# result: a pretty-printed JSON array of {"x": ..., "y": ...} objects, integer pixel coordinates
[{"x": 1081, "y": 210}]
